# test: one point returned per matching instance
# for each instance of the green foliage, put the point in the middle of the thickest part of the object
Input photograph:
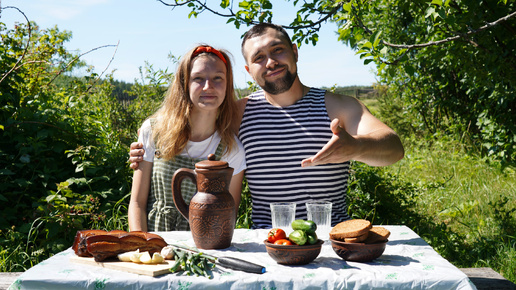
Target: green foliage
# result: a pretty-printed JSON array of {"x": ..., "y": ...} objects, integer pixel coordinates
[
  {"x": 466, "y": 229},
  {"x": 385, "y": 198},
  {"x": 443, "y": 65},
  {"x": 64, "y": 142},
  {"x": 63, "y": 159},
  {"x": 30, "y": 124},
  {"x": 148, "y": 94},
  {"x": 244, "y": 216},
  {"x": 450, "y": 64}
]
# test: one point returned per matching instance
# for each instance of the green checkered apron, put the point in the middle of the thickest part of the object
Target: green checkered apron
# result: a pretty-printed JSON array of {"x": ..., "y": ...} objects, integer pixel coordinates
[{"x": 162, "y": 212}]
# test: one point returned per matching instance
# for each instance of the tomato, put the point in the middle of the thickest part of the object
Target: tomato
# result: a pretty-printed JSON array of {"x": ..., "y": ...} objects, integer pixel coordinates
[
  {"x": 283, "y": 242},
  {"x": 276, "y": 234}
]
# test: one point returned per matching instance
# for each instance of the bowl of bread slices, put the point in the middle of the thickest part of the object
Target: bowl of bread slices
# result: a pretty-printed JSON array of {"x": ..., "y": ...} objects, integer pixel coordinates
[{"x": 358, "y": 240}]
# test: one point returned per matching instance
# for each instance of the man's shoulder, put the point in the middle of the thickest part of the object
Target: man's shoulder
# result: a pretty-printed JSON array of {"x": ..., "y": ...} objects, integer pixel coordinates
[
  {"x": 340, "y": 98},
  {"x": 330, "y": 94},
  {"x": 339, "y": 106}
]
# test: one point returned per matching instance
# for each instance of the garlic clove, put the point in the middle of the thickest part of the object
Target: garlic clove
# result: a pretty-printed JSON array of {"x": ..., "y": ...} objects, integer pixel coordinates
[
  {"x": 135, "y": 256},
  {"x": 157, "y": 258},
  {"x": 146, "y": 258},
  {"x": 125, "y": 257}
]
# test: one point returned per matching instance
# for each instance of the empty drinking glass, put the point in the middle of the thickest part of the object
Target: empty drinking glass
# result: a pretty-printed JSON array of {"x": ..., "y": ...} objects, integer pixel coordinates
[
  {"x": 320, "y": 213},
  {"x": 283, "y": 214}
]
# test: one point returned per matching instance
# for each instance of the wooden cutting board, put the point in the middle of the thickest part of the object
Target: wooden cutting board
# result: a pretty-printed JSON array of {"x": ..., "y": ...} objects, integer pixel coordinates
[{"x": 142, "y": 269}]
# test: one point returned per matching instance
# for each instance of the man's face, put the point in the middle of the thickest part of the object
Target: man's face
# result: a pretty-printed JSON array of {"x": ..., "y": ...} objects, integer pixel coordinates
[{"x": 271, "y": 61}]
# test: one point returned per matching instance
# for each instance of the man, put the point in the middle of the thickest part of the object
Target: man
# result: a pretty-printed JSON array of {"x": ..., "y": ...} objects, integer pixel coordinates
[{"x": 284, "y": 127}]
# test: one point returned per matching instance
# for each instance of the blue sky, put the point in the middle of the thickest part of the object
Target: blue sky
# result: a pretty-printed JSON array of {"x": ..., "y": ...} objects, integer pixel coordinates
[{"x": 148, "y": 31}]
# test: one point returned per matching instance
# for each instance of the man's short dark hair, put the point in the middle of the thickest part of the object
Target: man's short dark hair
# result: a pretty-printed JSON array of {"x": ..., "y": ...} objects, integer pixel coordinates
[{"x": 259, "y": 29}]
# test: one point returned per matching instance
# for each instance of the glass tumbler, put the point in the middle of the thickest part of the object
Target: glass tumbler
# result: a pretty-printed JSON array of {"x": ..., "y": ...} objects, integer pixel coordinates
[
  {"x": 320, "y": 213},
  {"x": 282, "y": 215}
]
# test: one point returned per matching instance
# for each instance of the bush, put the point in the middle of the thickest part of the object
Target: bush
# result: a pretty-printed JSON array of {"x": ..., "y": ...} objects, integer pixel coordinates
[{"x": 63, "y": 149}]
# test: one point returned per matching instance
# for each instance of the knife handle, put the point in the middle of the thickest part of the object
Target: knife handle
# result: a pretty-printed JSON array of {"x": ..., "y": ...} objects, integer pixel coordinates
[{"x": 240, "y": 265}]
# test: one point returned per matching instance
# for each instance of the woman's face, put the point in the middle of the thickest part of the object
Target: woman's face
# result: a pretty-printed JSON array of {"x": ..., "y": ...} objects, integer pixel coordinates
[{"x": 207, "y": 82}]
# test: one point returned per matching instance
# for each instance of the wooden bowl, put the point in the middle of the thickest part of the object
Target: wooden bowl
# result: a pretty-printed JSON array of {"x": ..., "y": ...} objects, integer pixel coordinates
[
  {"x": 293, "y": 254},
  {"x": 358, "y": 252}
]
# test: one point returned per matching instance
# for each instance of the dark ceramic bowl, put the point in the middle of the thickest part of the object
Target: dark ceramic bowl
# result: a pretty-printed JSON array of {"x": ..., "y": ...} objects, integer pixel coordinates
[
  {"x": 293, "y": 254},
  {"x": 358, "y": 252}
]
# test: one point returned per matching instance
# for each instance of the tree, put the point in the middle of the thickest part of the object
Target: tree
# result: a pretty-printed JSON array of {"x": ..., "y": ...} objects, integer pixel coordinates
[{"x": 448, "y": 62}]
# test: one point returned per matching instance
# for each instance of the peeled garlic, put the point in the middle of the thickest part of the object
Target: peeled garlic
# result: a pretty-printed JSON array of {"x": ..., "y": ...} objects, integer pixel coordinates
[
  {"x": 167, "y": 252},
  {"x": 135, "y": 256},
  {"x": 157, "y": 258},
  {"x": 145, "y": 258},
  {"x": 125, "y": 257}
]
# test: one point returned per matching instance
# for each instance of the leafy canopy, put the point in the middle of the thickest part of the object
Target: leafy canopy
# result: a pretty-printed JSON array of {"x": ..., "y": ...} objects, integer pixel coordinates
[{"x": 448, "y": 62}]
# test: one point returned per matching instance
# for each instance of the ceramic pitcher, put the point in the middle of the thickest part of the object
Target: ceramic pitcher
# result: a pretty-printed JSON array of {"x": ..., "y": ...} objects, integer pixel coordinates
[{"x": 211, "y": 213}]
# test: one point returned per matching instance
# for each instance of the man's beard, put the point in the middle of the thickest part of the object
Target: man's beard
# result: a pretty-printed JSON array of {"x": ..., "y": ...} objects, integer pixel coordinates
[{"x": 281, "y": 85}]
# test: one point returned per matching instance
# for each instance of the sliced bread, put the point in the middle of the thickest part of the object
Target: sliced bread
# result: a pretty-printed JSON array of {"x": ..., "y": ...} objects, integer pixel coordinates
[
  {"x": 377, "y": 234},
  {"x": 350, "y": 229},
  {"x": 358, "y": 239}
]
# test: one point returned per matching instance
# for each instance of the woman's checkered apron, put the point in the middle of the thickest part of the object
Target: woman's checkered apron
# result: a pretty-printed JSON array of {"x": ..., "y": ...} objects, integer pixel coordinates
[{"x": 162, "y": 212}]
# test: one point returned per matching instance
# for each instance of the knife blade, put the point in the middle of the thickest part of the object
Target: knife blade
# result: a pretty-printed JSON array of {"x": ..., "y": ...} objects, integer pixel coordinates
[{"x": 227, "y": 262}]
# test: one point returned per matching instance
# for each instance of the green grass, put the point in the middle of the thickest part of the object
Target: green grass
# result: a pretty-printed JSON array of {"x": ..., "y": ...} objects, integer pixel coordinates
[
  {"x": 466, "y": 186},
  {"x": 475, "y": 201},
  {"x": 462, "y": 204}
]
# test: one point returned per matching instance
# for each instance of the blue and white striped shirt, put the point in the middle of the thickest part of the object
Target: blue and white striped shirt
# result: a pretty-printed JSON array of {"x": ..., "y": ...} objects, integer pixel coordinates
[{"x": 275, "y": 140}]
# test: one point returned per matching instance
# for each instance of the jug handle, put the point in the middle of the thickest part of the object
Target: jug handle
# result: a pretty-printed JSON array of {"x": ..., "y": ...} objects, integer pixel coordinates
[{"x": 177, "y": 196}]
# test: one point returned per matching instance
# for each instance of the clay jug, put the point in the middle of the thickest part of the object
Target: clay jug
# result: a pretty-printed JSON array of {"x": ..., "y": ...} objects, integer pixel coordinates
[{"x": 211, "y": 213}]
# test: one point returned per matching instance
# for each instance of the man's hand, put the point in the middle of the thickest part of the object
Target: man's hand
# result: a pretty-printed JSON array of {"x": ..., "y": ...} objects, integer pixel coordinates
[
  {"x": 136, "y": 154},
  {"x": 342, "y": 147}
]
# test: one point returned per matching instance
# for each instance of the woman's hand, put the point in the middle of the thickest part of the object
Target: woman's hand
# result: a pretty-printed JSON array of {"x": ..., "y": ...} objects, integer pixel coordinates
[{"x": 136, "y": 154}]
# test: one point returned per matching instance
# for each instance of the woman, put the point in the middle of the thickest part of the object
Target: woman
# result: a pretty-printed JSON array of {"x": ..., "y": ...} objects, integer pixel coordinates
[{"x": 193, "y": 121}]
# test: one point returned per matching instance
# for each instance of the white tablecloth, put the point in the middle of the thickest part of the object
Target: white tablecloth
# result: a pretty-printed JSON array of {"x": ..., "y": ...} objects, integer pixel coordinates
[{"x": 407, "y": 263}]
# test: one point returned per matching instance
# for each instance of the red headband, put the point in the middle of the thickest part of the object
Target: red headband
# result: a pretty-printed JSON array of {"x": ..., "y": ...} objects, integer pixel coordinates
[{"x": 209, "y": 49}]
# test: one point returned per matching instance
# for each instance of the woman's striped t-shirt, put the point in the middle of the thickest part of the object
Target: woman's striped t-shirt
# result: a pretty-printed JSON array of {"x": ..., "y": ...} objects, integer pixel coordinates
[{"x": 275, "y": 140}]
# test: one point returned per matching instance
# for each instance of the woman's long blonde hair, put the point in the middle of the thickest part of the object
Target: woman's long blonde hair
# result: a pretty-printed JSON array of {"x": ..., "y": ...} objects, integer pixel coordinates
[{"x": 172, "y": 130}]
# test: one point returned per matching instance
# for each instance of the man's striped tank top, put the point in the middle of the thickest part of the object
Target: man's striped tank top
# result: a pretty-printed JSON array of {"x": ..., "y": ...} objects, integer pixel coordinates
[{"x": 275, "y": 140}]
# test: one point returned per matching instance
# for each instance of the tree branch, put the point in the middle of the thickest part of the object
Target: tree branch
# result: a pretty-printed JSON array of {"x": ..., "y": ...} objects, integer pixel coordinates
[
  {"x": 317, "y": 23},
  {"x": 452, "y": 38},
  {"x": 26, "y": 46},
  {"x": 110, "y": 61},
  {"x": 232, "y": 14},
  {"x": 203, "y": 5},
  {"x": 79, "y": 56},
  {"x": 360, "y": 23}
]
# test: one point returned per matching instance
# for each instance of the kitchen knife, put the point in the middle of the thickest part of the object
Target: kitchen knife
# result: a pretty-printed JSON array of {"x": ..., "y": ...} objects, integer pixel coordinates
[{"x": 227, "y": 262}]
